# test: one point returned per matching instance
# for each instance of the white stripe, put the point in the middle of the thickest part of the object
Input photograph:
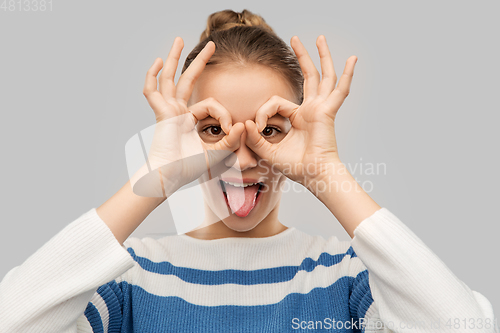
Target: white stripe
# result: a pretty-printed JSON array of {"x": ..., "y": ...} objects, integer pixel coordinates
[
  {"x": 83, "y": 325},
  {"x": 99, "y": 303},
  {"x": 234, "y": 294},
  {"x": 373, "y": 322},
  {"x": 236, "y": 253}
]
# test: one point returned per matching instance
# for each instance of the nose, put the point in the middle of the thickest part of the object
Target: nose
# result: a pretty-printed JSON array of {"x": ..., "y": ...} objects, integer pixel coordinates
[{"x": 243, "y": 158}]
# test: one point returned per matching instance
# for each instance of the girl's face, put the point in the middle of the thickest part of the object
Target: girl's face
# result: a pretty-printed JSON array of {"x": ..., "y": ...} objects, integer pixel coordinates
[{"x": 242, "y": 90}]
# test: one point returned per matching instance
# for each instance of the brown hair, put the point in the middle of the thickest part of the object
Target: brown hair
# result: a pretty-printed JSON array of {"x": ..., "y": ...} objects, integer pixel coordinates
[{"x": 245, "y": 38}]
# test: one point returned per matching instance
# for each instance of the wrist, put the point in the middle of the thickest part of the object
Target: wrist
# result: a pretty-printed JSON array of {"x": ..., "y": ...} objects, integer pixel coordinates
[
  {"x": 332, "y": 182},
  {"x": 326, "y": 173},
  {"x": 154, "y": 183},
  {"x": 339, "y": 191}
]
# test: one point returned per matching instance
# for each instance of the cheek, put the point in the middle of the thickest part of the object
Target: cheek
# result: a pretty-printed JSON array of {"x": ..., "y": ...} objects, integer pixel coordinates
[
  {"x": 267, "y": 172},
  {"x": 274, "y": 186},
  {"x": 281, "y": 182},
  {"x": 277, "y": 138}
]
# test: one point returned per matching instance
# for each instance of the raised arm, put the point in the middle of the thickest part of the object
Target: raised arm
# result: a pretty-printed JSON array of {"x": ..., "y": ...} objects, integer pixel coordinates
[
  {"x": 408, "y": 281},
  {"x": 52, "y": 291}
]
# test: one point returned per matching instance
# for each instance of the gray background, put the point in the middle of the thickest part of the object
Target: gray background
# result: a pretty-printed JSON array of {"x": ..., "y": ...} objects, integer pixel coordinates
[{"x": 423, "y": 102}]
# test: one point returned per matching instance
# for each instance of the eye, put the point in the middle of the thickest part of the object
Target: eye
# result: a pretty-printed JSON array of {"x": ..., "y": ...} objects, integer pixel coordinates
[
  {"x": 213, "y": 130},
  {"x": 270, "y": 131}
]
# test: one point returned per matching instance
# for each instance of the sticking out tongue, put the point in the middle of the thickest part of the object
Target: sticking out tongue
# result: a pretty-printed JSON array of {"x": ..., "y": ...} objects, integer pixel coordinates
[{"x": 241, "y": 200}]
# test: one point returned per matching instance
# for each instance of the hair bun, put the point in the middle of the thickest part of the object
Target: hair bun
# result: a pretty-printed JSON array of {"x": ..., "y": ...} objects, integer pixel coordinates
[{"x": 226, "y": 19}]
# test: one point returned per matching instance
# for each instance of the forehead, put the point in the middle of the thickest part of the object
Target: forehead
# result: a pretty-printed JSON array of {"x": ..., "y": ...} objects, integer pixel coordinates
[{"x": 240, "y": 89}]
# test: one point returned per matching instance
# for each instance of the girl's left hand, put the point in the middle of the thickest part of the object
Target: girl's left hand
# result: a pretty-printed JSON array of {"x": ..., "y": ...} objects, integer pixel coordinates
[{"x": 308, "y": 151}]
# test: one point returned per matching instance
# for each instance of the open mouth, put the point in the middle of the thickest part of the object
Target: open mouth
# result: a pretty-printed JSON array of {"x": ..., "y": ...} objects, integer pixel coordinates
[{"x": 241, "y": 197}]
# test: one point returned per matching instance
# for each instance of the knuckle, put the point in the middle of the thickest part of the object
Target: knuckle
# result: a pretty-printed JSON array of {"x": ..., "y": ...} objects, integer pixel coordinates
[
  {"x": 260, "y": 143},
  {"x": 312, "y": 74},
  {"x": 226, "y": 144},
  {"x": 342, "y": 92},
  {"x": 275, "y": 99},
  {"x": 181, "y": 102},
  {"x": 211, "y": 100},
  {"x": 308, "y": 75}
]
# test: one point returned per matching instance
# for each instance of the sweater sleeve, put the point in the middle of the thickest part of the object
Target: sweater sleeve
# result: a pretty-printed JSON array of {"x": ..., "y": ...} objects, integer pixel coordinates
[
  {"x": 53, "y": 289},
  {"x": 412, "y": 289}
]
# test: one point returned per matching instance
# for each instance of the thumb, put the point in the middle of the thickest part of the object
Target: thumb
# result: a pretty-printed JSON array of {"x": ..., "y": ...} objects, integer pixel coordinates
[
  {"x": 220, "y": 150},
  {"x": 232, "y": 140},
  {"x": 257, "y": 143}
]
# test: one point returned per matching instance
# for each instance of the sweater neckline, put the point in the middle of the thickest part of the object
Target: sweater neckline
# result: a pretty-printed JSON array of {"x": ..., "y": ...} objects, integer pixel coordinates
[{"x": 251, "y": 240}]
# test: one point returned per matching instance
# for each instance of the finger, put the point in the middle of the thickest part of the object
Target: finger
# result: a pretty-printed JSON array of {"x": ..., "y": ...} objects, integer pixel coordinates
[
  {"x": 189, "y": 77},
  {"x": 220, "y": 150},
  {"x": 232, "y": 140},
  {"x": 211, "y": 107},
  {"x": 328, "y": 76},
  {"x": 311, "y": 74},
  {"x": 339, "y": 94},
  {"x": 166, "y": 80},
  {"x": 150, "y": 91},
  {"x": 257, "y": 143},
  {"x": 275, "y": 105}
]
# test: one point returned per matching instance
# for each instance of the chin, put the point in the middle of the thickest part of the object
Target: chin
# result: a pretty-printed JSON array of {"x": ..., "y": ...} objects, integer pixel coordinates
[{"x": 240, "y": 224}]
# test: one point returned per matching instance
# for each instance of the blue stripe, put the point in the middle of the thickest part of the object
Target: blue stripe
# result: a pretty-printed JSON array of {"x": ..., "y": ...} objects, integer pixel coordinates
[
  {"x": 241, "y": 277},
  {"x": 361, "y": 296},
  {"x": 94, "y": 318},
  {"x": 118, "y": 291},
  {"x": 111, "y": 294},
  {"x": 173, "y": 314}
]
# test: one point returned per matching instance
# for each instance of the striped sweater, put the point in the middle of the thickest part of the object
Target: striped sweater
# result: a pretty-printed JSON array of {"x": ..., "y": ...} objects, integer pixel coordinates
[{"x": 383, "y": 280}]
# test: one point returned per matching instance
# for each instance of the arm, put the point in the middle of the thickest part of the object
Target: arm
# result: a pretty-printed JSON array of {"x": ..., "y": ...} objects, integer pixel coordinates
[
  {"x": 410, "y": 285},
  {"x": 407, "y": 279},
  {"x": 52, "y": 288},
  {"x": 125, "y": 211},
  {"x": 408, "y": 282},
  {"x": 344, "y": 197},
  {"x": 174, "y": 139}
]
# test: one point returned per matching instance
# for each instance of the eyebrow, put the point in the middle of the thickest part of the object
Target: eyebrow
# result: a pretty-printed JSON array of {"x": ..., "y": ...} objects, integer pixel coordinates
[
  {"x": 207, "y": 119},
  {"x": 277, "y": 116}
]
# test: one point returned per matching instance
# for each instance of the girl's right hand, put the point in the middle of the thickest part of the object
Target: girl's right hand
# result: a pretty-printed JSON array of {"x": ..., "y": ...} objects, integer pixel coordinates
[{"x": 178, "y": 155}]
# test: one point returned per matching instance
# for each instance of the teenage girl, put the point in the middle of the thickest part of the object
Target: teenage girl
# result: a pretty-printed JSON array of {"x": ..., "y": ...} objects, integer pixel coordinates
[{"x": 258, "y": 112}]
